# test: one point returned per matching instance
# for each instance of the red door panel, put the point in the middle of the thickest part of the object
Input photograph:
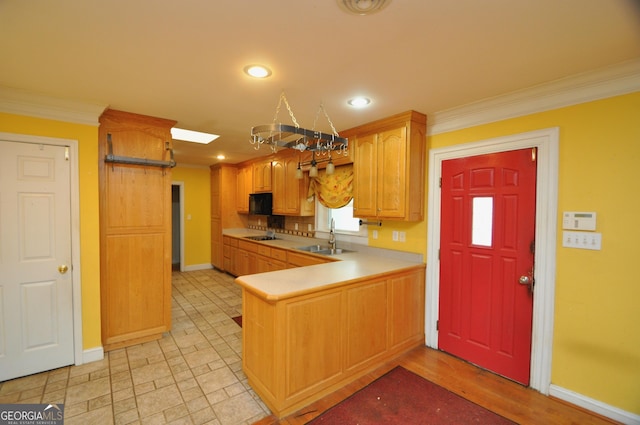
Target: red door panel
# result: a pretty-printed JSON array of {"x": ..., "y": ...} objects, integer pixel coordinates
[{"x": 485, "y": 313}]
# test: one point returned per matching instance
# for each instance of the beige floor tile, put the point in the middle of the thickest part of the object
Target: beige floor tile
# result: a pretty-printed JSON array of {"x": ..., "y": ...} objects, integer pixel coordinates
[
  {"x": 193, "y": 375},
  {"x": 158, "y": 401},
  {"x": 237, "y": 409},
  {"x": 216, "y": 379},
  {"x": 88, "y": 391}
]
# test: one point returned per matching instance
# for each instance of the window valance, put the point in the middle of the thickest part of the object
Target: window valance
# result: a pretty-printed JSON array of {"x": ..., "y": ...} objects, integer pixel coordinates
[{"x": 335, "y": 190}]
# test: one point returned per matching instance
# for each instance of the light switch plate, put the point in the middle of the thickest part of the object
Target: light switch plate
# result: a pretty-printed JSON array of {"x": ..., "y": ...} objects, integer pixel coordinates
[{"x": 582, "y": 240}]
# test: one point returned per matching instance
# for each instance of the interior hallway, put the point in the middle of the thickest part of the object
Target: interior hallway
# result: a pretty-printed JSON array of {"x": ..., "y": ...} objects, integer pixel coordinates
[{"x": 193, "y": 375}]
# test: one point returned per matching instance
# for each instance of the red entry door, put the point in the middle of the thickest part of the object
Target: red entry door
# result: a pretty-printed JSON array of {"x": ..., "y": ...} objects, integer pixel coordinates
[{"x": 486, "y": 261}]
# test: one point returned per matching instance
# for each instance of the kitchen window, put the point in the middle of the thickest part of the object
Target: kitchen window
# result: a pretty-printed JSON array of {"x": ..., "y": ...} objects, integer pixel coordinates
[{"x": 345, "y": 223}]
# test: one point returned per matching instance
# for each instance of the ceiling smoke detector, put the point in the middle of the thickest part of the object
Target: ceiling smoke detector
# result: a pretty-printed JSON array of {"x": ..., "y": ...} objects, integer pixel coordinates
[{"x": 362, "y": 7}]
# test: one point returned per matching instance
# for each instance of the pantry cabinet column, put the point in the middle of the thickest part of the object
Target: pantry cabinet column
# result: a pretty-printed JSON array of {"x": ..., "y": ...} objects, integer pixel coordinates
[{"x": 135, "y": 228}]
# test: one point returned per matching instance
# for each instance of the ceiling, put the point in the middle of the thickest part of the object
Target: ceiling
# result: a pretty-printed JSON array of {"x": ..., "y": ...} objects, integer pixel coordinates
[{"x": 184, "y": 60}]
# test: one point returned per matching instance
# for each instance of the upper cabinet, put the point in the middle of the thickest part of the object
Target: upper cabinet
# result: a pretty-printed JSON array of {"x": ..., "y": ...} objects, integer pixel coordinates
[
  {"x": 244, "y": 186},
  {"x": 290, "y": 193},
  {"x": 389, "y": 167},
  {"x": 262, "y": 175}
]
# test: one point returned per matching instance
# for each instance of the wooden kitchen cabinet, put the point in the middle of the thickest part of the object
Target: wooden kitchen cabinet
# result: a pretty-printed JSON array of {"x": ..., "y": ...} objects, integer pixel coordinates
[
  {"x": 389, "y": 167},
  {"x": 270, "y": 259},
  {"x": 290, "y": 193},
  {"x": 135, "y": 229},
  {"x": 229, "y": 250},
  {"x": 262, "y": 176},
  {"x": 244, "y": 187},
  {"x": 299, "y": 349},
  {"x": 223, "y": 214},
  {"x": 247, "y": 258}
]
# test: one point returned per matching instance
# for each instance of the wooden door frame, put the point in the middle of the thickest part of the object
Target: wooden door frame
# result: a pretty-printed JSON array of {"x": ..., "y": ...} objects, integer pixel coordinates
[
  {"x": 78, "y": 353},
  {"x": 546, "y": 141}
]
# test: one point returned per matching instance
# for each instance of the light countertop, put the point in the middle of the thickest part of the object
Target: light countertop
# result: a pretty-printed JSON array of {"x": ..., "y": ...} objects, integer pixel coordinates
[{"x": 351, "y": 267}]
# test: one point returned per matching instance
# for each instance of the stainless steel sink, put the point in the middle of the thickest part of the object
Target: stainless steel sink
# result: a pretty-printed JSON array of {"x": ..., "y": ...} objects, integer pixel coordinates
[
  {"x": 313, "y": 248},
  {"x": 323, "y": 250}
]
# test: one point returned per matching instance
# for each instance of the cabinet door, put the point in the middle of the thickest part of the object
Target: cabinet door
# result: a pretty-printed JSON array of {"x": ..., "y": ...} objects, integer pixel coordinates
[
  {"x": 244, "y": 187},
  {"x": 392, "y": 177},
  {"x": 216, "y": 203},
  {"x": 217, "y": 257},
  {"x": 279, "y": 186},
  {"x": 262, "y": 176},
  {"x": 296, "y": 193},
  {"x": 364, "y": 176}
]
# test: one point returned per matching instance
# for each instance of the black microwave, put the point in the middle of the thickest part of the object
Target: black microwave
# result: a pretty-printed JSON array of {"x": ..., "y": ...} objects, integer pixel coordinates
[{"x": 260, "y": 203}]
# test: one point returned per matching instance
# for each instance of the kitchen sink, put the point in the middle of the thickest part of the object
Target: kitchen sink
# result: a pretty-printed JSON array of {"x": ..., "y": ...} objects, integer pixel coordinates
[
  {"x": 323, "y": 250},
  {"x": 261, "y": 238}
]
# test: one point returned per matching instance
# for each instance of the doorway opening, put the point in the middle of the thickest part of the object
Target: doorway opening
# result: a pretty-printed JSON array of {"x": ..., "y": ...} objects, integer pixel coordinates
[
  {"x": 177, "y": 230},
  {"x": 546, "y": 142}
]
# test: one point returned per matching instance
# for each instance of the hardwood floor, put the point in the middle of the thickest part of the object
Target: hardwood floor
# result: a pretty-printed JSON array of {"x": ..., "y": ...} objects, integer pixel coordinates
[{"x": 500, "y": 395}]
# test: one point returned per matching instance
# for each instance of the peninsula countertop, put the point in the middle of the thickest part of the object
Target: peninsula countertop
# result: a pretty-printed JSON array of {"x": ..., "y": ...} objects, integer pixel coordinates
[{"x": 351, "y": 267}]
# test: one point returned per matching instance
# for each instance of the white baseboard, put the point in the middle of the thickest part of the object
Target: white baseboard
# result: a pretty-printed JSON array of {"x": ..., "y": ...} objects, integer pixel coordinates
[
  {"x": 91, "y": 355},
  {"x": 594, "y": 405},
  {"x": 194, "y": 267}
]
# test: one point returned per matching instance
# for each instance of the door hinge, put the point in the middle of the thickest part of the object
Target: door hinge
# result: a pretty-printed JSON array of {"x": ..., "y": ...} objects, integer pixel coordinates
[
  {"x": 440, "y": 183},
  {"x": 437, "y": 325},
  {"x": 534, "y": 154},
  {"x": 438, "y": 255},
  {"x": 66, "y": 153}
]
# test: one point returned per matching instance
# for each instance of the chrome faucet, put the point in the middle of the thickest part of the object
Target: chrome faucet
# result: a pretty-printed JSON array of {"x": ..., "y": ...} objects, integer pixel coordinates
[{"x": 332, "y": 236}]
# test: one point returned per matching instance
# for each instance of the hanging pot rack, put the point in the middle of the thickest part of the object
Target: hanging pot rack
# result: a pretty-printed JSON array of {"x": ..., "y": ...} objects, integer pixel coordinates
[{"x": 293, "y": 136}]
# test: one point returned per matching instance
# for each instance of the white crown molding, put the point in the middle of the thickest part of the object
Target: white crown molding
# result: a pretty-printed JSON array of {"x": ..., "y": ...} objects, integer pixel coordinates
[
  {"x": 611, "y": 81},
  {"x": 20, "y": 102}
]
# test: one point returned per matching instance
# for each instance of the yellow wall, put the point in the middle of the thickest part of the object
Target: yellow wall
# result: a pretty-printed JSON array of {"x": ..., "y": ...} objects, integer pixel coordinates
[
  {"x": 596, "y": 346},
  {"x": 87, "y": 137},
  {"x": 197, "y": 230}
]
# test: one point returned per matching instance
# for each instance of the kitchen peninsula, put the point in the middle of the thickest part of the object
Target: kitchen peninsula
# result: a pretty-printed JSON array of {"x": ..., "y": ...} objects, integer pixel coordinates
[{"x": 308, "y": 331}]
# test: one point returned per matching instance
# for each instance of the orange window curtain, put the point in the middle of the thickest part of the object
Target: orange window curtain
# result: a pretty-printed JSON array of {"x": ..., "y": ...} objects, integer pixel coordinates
[{"x": 335, "y": 190}]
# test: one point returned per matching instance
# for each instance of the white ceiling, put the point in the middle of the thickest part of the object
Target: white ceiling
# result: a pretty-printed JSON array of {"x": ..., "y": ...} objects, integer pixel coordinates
[{"x": 183, "y": 60}]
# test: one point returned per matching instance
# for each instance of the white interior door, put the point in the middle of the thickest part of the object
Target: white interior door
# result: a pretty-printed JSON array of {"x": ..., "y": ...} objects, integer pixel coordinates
[{"x": 36, "y": 291}]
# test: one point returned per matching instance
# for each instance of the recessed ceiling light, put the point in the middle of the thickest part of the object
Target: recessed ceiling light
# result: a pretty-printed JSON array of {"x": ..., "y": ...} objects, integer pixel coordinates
[
  {"x": 221, "y": 157},
  {"x": 192, "y": 136},
  {"x": 359, "y": 102},
  {"x": 257, "y": 71},
  {"x": 362, "y": 7}
]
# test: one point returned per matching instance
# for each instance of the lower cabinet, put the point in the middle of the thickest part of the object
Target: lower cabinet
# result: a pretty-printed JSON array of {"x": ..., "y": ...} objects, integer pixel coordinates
[
  {"x": 242, "y": 257},
  {"x": 297, "y": 350}
]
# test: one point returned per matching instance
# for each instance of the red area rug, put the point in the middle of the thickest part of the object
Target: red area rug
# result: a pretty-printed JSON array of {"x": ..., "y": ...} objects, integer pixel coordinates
[
  {"x": 402, "y": 397},
  {"x": 238, "y": 320}
]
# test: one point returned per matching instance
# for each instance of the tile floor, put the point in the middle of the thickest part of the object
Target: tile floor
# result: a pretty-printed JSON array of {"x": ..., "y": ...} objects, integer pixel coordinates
[{"x": 193, "y": 375}]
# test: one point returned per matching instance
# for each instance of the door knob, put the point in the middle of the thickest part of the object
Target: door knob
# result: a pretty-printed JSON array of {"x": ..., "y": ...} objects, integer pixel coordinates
[
  {"x": 63, "y": 268},
  {"x": 524, "y": 280}
]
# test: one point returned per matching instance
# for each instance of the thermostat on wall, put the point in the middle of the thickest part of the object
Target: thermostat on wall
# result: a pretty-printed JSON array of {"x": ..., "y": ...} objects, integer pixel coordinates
[{"x": 572, "y": 220}]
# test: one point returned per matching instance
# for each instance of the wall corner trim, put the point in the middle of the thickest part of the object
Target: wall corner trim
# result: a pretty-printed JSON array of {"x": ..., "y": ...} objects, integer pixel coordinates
[
  {"x": 615, "y": 80},
  {"x": 92, "y": 355},
  {"x": 20, "y": 102},
  {"x": 596, "y": 406}
]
